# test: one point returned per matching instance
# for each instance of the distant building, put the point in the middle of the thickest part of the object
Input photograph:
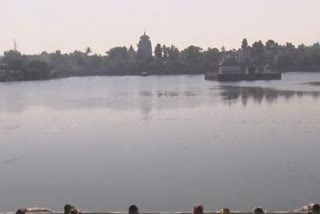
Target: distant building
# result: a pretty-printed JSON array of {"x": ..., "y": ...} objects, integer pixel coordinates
[
  {"x": 145, "y": 46},
  {"x": 132, "y": 55},
  {"x": 131, "y": 52},
  {"x": 229, "y": 65}
]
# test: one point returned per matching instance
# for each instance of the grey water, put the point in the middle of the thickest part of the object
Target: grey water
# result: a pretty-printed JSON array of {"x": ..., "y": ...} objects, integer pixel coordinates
[{"x": 161, "y": 142}]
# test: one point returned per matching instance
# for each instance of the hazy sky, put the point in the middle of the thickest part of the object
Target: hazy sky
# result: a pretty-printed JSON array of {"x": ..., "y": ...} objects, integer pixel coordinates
[{"x": 102, "y": 24}]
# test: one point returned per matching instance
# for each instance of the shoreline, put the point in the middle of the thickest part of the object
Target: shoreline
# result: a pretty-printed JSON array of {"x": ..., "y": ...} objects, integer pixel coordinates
[{"x": 130, "y": 75}]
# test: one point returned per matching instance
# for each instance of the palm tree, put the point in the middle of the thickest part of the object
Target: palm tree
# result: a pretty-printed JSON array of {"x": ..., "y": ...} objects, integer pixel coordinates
[{"x": 88, "y": 50}]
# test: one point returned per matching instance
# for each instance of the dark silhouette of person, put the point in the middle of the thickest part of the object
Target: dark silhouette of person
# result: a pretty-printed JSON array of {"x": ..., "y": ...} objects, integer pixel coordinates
[
  {"x": 314, "y": 209},
  {"x": 21, "y": 211},
  {"x": 258, "y": 210},
  {"x": 67, "y": 208},
  {"x": 198, "y": 209},
  {"x": 133, "y": 209}
]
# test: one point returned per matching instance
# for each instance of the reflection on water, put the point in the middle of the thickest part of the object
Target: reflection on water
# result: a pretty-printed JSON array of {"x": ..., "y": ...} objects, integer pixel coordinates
[
  {"x": 312, "y": 83},
  {"x": 19, "y": 97},
  {"x": 163, "y": 143},
  {"x": 9, "y": 161},
  {"x": 66, "y": 95},
  {"x": 259, "y": 94}
]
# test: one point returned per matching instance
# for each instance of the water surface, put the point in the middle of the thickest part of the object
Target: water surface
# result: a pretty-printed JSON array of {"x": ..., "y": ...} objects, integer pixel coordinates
[{"x": 163, "y": 143}]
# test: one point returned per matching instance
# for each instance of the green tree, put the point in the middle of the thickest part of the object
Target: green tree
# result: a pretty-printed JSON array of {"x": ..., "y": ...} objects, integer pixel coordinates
[
  {"x": 316, "y": 45},
  {"x": 270, "y": 44},
  {"x": 78, "y": 57},
  {"x": 58, "y": 52},
  {"x": 14, "y": 59},
  {"x": 94, "y": 63},
  {"x": 193, "y": 54},
  {"x": 158, "y": 52},
  {"x": 212, "y": 58},
  {"x": 290, "y": 46},
  {"x": 88, "y": 51},
  {"x": 173, "y": 53},
  {"x": 258, "y": 47},
  {"x": 301, "y": 47},
  {"x": 37, "y": 70},
  {"x": 244, "y": 45},
  {"x": 165, "y": 52},
  {"x": 284, "y": 62},
  {"x": 258, "y": 53},
  {"x": 314, "y": 54},
  {"x": 118, "y": 53}
]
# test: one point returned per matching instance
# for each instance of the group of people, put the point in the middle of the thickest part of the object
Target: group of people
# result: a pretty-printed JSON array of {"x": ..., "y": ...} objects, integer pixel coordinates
[
  {"x": 197, "y": 209},
  {"x": 310, "y": 208}
]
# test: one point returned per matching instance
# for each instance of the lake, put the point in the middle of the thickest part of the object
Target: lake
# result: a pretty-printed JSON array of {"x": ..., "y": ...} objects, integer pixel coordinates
[{"x": 161, "y": 142}]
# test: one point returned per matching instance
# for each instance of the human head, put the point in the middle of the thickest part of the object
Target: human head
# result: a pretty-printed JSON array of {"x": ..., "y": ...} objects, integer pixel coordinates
[
  {"x": 133, "y": 209},
  {"x": 258, "y": 210},
  {"x": 67, "y": 208},
  {"x": 198, "y": 209},
  {"x": 21, "y": 211},
  {"x": 315, "y": 209}
]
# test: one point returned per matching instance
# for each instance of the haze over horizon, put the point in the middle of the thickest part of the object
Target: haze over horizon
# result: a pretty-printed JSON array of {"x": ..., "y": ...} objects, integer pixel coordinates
[{"x": 76, "y": 24}]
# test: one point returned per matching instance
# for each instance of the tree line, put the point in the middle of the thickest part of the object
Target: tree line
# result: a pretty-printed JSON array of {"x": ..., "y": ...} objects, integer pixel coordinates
[{"x": 165, "y": 60}]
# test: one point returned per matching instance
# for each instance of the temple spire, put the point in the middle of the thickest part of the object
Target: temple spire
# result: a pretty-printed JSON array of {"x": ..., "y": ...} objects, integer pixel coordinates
[{"x": 145, "y": 46}]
